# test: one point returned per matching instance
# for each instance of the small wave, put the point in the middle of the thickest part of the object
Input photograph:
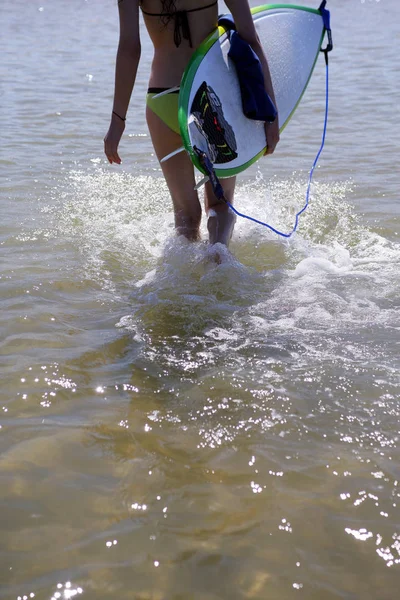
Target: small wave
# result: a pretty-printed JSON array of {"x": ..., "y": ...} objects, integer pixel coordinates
[{"x": 334, "y": 274}]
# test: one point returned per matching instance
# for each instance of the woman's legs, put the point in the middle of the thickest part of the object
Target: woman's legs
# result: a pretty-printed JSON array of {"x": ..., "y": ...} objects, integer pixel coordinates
[{"x": 179, "y": 175}]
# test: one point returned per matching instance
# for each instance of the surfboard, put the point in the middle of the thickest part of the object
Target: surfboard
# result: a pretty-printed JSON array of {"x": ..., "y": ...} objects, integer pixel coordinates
[{"x": 210, "y": 99}]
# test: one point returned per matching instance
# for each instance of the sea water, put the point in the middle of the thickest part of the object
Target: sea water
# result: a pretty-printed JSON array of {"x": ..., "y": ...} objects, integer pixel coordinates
[{"x": 175, "y": 428}]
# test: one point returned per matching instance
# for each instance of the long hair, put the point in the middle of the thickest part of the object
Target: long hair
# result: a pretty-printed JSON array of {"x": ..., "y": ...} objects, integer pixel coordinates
[{"x": 169, "y": 8}]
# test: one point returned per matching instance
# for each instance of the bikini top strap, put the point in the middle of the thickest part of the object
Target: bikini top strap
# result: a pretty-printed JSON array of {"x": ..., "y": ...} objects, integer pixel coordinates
[
  {"x": 202, "y": 7},
  {"x": 172, "y": 14},
  {"x": 181, "y": 26}
]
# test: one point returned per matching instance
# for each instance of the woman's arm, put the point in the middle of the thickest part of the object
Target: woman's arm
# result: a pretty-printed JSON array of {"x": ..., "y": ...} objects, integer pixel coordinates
[
  {"x": 128, "y": 56},
  {"x": 240, "y": 10}
]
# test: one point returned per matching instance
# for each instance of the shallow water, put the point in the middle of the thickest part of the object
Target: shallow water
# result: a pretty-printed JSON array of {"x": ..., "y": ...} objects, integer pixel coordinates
[{"x": 169, "y": 427}]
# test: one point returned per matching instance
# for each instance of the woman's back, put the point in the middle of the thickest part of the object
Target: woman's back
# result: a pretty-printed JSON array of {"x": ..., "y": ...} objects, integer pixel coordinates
[{"x": 176, "y": 28}]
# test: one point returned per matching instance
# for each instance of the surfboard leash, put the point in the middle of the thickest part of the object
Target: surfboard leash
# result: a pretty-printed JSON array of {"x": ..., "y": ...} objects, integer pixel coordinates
[{"x": 209, "y": 169}]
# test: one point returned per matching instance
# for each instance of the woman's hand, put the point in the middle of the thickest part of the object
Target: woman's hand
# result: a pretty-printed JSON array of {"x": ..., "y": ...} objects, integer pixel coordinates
[
  {"x": 272, "y": 135},
  {"x": 112, "y": 139}
]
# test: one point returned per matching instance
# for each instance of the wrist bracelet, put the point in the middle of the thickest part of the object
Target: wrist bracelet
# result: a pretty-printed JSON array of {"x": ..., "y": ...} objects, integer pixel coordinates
[{"x": 117, "y": 115}]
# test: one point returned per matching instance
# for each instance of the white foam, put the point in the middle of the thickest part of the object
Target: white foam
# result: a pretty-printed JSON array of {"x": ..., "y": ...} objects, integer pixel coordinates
[{"x": 332, "y": 274}]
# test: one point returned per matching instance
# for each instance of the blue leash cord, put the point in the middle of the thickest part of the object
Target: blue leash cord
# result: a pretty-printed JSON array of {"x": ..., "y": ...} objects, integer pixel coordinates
[{"x": 281, "y": 233}]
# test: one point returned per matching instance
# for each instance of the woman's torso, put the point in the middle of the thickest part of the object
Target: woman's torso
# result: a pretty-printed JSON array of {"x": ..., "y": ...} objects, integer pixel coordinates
[{"x": 170, "y": 60}]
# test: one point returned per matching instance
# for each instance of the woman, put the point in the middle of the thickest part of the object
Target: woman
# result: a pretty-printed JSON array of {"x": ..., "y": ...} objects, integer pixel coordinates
[{"x": 176, "y": 28}]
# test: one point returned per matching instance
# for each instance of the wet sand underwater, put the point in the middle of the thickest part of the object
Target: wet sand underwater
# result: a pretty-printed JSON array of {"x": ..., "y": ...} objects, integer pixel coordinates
[{"x": 173, "y": 428}]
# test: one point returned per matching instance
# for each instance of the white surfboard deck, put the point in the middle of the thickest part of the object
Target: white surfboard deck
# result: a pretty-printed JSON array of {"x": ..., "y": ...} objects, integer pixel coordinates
[{"x": 291, "y": 37}]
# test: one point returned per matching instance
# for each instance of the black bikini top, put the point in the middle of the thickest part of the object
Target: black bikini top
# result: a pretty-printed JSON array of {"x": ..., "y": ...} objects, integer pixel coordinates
[{"x": 181, "y": 26}]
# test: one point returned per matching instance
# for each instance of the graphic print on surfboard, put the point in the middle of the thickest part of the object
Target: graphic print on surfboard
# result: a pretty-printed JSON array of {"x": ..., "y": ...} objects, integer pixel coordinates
[
  {"x": 291, "y": 37},
  {"x": 207, "y": 115}
]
